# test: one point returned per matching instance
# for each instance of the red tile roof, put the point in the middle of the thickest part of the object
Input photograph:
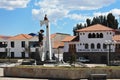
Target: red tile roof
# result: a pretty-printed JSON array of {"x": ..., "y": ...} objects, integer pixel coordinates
[
  {"x": 96, "y": 27},
  {"x": 52, "y": 36},
  {"x": 68, "y": 38},
  {"x": 20, "y": 37},
  {"x": 116, "y": 38},
  {"x": 58, "y": 44},
  {"x": 4, "y": 37}
]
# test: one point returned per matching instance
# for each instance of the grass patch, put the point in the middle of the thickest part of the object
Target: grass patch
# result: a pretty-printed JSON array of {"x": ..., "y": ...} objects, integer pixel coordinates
[{"x": 46, "y": 67}]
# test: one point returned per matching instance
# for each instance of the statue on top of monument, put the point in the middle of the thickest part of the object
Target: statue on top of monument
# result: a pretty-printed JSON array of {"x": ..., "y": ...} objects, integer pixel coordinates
[
  {"x": 40, "y": 37},
  {"x": 45, "y": 18}
]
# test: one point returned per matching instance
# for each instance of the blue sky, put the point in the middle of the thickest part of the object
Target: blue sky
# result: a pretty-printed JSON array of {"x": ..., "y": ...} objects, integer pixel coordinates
[{"x": 23, "y": 16}]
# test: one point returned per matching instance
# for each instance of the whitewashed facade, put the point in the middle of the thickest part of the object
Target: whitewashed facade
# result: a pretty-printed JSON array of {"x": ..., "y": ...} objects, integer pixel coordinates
[
  {"x": 16, "y": 45},
  {"x": 95, "y": 43}
]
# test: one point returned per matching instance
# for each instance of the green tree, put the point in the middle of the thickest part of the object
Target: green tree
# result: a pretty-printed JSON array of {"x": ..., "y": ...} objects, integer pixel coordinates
[
  {"x": 108, "y": 20},
  {"x": 78, "y": 26},
  {"x": 88, "y": 21},
  {"x": 111, "y": 21},
  {"x": 72, "y": 58}
]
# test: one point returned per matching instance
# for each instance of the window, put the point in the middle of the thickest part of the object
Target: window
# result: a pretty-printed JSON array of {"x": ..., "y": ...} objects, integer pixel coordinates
[
  {"x": 104, "y": 46},
  {"x": 89, "y": 35},
  {"x": 23, "y": 54},
  {"x": 3, "y": 44},
  {"x": 93, "y": 35},
  {"x": 72, "y": 48},
  {"x": 98, "y": 46},
  {"x": 110, "y": 33},
  {"x": 101, "y": 35},
  {"x": 12, "y": 55},
  {"x": 12, "y": 44},
  {"x": 107, "y": 32},
  {"x": 92, "y": 46},
  {"x": 33, "y": 44},
  {"x": 86, "y": 46},
  {"x": 118, "y": 45},
  {"x": 23, "y": 43},
  {"x": 98, "y": 36}
]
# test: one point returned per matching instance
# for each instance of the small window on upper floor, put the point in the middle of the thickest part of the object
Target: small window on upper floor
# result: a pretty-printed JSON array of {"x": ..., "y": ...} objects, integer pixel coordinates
[
  {"x": 3, "y": 44},
  {"x": 23, "y": 44},
  {"x": 12, "y": 44},
  {"x": 89, "y": 35},
  {"x": 80, "y": 44},
  {"x": 101, "y": 35},
  {"x": 110, "y": 33},
  {"x": 93, "y": 35},
  {"x": 107, "y": 33},
  {"x": 98, "y": 35},
  {"x": 80, "y": 33}
]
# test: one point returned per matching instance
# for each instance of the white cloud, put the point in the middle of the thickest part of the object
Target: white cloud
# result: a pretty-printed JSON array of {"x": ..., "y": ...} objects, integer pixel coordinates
[
  {"x": 115, "y": 12},
  {"x": 12, "y": 4},
  {"x": 78, "y": 17},
  {"x": 58, "y": 9}
]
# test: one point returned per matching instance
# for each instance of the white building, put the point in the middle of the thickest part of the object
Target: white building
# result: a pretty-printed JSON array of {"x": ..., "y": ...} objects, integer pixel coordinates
[
  {"x": 24, "y": 45},
  {"x": 15, "y": 45},
  {"x": 91, "y": 43},
  {"x": 58, "y": 45}
]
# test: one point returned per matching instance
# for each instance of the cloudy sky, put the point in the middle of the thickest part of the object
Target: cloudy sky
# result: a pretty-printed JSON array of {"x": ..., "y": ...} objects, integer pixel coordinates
[{"x": 23, "y": 16}]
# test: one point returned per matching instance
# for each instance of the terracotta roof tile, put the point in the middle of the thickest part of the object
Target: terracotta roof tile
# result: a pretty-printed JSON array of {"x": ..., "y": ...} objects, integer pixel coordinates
[
  {"x": 116, "y": 38},
  {"x": 68, "y": 38},
  {"x": 4, "y": 37},
  {"x": 52, "y": 36},
  {"x": 58, "y": 44},
  {"x": 96, "y": 27},
  {"x": 20, "y": 37}
]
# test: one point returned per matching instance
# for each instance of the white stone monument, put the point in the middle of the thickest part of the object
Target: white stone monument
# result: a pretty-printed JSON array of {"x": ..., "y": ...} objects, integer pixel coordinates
[{"x": 47, "y": 44}]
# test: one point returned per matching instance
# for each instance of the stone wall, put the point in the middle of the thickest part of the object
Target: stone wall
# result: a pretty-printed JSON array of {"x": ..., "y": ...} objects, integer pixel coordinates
[
  {"x": 10, "y": 60},
  {"x": 62, "y": 73}
]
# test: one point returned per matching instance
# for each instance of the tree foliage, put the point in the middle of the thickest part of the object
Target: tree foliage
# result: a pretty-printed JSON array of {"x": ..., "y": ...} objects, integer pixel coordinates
[{"x": 108, "y": 20}]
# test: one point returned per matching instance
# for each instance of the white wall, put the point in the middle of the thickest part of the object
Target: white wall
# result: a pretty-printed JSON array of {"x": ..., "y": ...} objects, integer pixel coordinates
[
  {"x": 83, "y": 39},
  {"x": 17, "y": 49}
]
